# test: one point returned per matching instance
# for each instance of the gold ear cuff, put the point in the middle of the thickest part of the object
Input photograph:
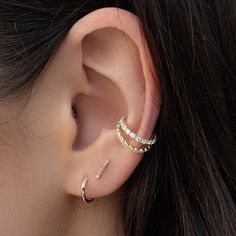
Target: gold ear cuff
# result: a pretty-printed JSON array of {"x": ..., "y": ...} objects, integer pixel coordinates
[{"x": 122, "y": 126}]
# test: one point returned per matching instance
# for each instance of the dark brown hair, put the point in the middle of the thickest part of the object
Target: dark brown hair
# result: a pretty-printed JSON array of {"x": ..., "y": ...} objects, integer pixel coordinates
[{"x": 186, "y": 184}]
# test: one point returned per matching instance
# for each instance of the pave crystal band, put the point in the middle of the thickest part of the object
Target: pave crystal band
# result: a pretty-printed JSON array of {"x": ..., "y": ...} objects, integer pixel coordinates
[
  {"x": 128, "y": 145},
  {"x": 134, "y": 136}
]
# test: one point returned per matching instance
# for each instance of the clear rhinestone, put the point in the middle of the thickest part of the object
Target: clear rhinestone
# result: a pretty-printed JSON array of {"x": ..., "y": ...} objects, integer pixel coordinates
[
  {"x": 132, "y": 135},
  {"x": 123, "y": 126},
  {"x": 138, "y": 139},
  {"x": 127, "y": 131}
]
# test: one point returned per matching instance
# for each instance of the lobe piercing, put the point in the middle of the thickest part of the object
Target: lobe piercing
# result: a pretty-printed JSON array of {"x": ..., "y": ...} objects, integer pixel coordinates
[{"x": 83, "y": 194}]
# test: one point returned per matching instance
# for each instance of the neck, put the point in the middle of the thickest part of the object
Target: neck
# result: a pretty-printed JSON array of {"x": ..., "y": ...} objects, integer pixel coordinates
[{"x": 101, "y": 217}]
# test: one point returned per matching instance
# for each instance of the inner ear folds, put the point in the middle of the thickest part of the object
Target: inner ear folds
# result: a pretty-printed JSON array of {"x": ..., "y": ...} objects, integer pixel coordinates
[
  {"x": 111, "y": 62},
  {"x": 100, "y": 109},
  {"x": 113, "y": 53},
  {"x": 105, "y": 47}
]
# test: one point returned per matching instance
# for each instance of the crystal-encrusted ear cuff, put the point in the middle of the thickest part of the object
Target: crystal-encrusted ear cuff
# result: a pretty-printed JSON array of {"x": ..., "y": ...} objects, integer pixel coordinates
[{"x": 122, "y": 126}]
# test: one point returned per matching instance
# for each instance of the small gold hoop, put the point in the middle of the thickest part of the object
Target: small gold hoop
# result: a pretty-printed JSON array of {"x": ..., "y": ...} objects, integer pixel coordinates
[{"x": 83, "y": 194}]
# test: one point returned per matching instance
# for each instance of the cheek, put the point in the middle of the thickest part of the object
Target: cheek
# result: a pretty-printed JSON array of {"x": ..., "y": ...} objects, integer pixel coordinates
[
  {"x": 39, "y": 139},
  {"x": 30, "y": 171},
  {"x": 30, "y": 157}
]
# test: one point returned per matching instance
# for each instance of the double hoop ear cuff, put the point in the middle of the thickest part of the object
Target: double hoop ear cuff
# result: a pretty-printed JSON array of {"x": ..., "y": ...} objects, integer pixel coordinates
[
  {"x": 83, "y": 194},
  {"x": 122, "y": 126}
]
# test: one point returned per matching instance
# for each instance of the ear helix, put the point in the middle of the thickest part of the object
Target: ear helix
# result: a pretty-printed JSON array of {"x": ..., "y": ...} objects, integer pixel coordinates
[{"x": 121, "y": 127}]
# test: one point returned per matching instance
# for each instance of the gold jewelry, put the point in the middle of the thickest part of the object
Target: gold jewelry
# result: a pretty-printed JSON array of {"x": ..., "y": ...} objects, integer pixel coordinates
[
  {"x": 83, "y": 194},
  {"x": 134, "y": 136},
  {"x": 129, "y": 146},
  {"x": 102, "y": 169}
]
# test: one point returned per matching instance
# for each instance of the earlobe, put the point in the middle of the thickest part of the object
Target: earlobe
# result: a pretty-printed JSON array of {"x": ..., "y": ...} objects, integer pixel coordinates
[{"x": 116, "y": 68}]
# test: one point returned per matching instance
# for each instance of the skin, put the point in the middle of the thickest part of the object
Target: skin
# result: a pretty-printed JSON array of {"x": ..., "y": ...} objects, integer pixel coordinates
[{"x": 103, "y": 67}]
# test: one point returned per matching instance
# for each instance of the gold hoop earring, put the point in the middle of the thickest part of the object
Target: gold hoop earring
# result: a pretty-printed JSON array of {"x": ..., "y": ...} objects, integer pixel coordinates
[{"x": 83, "y": 194}]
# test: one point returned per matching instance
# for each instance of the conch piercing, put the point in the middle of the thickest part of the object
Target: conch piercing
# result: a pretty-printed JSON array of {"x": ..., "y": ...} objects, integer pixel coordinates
[
  {"x": 148, "y": 142},
  {"x": 102, "y": 169},
  {"x": 83, "y": 194}
]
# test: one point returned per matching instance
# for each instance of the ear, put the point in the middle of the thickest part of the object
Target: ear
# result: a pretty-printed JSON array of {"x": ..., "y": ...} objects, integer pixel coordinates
[{"x": 108, "y": 62}]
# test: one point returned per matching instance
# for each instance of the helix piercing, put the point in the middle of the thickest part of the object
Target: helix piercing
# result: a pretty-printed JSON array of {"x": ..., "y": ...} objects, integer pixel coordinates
[{"x": 83, "y": 194}]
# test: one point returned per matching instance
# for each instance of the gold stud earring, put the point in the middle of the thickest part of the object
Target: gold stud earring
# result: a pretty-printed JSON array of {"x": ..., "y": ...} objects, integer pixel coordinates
[
  {"x": 83, "y": 194},
  {"x": 102, "y": 169}
]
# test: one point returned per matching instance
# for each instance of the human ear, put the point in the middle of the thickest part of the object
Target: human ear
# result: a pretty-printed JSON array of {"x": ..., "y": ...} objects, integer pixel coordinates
[{"x": 106, "y": 58}]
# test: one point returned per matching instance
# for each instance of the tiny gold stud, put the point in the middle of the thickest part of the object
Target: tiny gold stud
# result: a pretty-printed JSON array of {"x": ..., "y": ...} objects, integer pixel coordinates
[{"x": 102, "y": 169}]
